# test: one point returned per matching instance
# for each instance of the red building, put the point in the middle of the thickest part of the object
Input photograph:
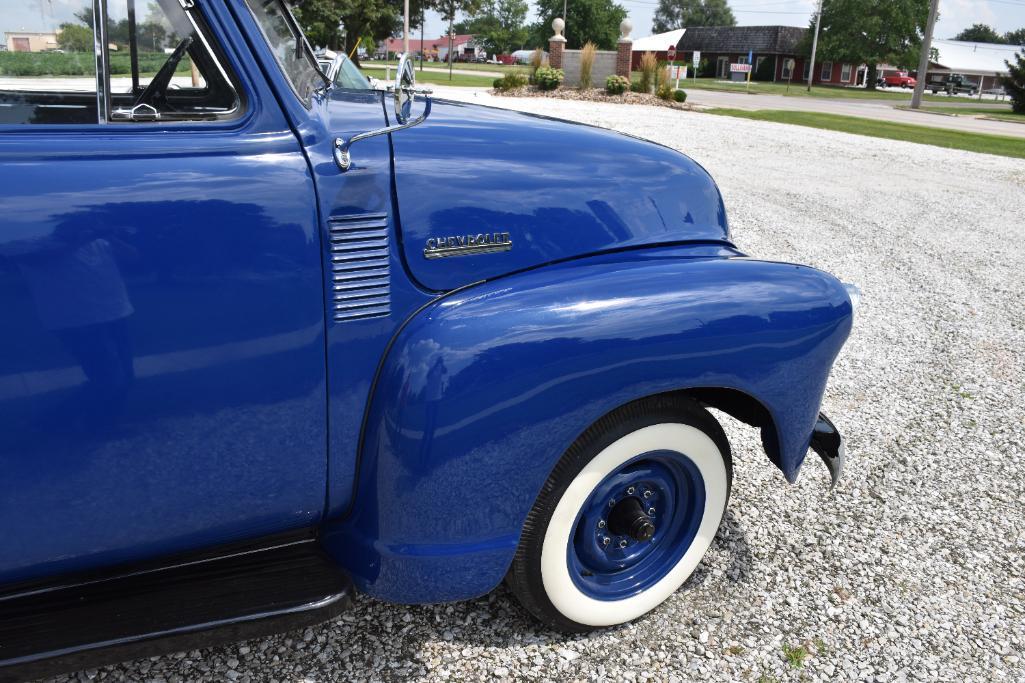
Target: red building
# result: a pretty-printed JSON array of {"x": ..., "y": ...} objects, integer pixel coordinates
[{"x": 772, "y": 49}]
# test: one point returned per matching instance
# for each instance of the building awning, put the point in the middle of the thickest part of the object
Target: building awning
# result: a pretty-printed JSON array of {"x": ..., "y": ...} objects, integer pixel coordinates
[
  {"x": 659, "y": 42},
  {"x": 976, "y": 59}
]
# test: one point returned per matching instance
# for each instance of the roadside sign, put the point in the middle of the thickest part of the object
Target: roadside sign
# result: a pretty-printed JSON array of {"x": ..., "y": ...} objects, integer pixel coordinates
[
  {"x": 678, "y": 72},
  {"x": 740, "y": 68},
  {"x": 697, "y": 58},
  {"x": 750, "y": 56},
  {"x": 671, "y": 53}
]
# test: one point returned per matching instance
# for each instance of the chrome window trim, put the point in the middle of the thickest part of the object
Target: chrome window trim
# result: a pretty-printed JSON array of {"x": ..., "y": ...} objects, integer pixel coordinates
[{"x": 100, "y": 46}]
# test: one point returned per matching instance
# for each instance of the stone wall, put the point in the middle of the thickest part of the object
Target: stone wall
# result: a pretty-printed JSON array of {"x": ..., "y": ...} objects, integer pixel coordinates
[{"x": 603, "y": 67}]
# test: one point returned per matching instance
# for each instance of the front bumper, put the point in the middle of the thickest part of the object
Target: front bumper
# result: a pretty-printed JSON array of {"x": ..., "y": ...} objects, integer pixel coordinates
[{"x": 827, "y": 441}]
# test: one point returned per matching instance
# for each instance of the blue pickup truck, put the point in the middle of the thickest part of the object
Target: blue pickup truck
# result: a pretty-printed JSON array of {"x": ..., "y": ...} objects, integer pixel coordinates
[{"x": 271, "y": 337}]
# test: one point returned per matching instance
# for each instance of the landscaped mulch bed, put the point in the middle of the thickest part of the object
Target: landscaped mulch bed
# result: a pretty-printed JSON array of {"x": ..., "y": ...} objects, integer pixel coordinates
[{"x": 592, "y": 95}]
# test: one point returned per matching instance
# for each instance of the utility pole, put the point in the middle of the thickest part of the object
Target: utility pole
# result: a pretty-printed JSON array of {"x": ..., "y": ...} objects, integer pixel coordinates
[
  {"x": 564, "y": 18},
  {"x": 923, "y": 60},
  {"x": 814, "y": 45},
  {"x": 405, "y": 27}
]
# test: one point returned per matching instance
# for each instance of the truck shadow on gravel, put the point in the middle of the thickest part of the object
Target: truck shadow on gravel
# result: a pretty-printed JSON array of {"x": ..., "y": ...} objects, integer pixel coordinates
[{"x": 387, "y": 642}]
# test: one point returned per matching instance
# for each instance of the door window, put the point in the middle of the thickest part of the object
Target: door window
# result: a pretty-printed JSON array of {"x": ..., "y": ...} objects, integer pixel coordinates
[
  {"x": 160, "y": 65},
  {"x": 48, "y": 69},
  {"x": 287, "y": 42},
  {"x": 155, "y": 62}
]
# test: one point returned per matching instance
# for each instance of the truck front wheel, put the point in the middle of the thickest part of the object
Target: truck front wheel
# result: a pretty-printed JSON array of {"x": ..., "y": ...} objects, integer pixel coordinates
[{"x": 625, "y": 517}]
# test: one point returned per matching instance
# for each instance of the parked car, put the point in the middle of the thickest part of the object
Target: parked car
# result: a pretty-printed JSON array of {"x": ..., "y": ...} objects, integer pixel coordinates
[
  {"x": 953, "y": 84},
  {"x": 901, "y": 79},
  {"x": 270, "y": 340}
]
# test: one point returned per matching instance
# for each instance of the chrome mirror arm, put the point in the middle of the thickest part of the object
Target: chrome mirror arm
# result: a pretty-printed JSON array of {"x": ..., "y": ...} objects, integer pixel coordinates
[{"x": 342, "y": 146}]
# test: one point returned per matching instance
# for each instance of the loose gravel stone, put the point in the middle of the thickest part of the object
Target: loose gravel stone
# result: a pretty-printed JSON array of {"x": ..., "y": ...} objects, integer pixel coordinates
[{"x": 912, "y": 569}]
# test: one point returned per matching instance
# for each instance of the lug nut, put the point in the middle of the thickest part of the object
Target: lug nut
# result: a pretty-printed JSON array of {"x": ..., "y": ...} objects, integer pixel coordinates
[
  {"x": 622, "y": 544},
  {"x": 605, "y": 540},
  {"x": 651, "y": 511},
  {"x": 647, "y": 494},
  {"x": 601, "y": 524},
  {"x": 630, "y": 491}
]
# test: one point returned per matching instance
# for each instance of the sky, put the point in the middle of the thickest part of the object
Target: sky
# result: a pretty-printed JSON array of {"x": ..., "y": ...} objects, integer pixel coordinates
[
  {"x": 955, "y": 15},
  {"x": 1003, "y": 15}
]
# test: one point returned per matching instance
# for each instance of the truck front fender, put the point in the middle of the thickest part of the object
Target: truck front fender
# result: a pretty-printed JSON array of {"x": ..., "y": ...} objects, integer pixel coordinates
[{"x": 483, "y": 391}]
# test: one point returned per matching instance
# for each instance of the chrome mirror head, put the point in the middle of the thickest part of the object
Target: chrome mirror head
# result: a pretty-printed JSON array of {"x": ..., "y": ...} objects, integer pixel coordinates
[{"x": 405, "y": 86}]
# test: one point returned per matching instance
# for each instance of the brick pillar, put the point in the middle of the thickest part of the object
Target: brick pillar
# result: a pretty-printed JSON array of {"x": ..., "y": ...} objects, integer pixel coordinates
[
  {"x": 556, "y": 44},
  {"x": 624, "y": 50}
]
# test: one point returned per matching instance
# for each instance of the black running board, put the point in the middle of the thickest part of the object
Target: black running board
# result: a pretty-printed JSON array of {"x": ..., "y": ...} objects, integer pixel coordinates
[{"x": 190, "y": 603}]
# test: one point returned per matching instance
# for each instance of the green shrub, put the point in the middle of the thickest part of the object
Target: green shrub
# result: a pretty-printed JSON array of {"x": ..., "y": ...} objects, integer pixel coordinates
[
  {"x": 510, "y": 81},
  {"x": 548, "y": 78},
  {"x": 664, "y": 92},
  {"x": 617, "y": 85},
  {"x": 680, "y": 95},
  {"x": 78, "y": 63},
  {"x": 635, "y": 87}
]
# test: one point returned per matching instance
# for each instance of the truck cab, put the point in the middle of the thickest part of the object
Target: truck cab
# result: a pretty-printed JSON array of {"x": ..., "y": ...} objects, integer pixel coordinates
[{"x": 272, "y": 337}]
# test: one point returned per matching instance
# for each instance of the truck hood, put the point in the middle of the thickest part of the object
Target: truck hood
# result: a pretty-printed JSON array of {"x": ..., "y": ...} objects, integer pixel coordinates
[{"x": 483, "y": 192}]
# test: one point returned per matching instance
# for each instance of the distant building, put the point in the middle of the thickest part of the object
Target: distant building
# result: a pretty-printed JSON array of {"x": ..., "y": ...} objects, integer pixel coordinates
[
  {"x": 659, "y": 44},
  {"x": 983, "y": 63},
  {"x": 28, "y": 41},
  {"x": 725, "y": 45},
  {"x": 463, "y": 48}
]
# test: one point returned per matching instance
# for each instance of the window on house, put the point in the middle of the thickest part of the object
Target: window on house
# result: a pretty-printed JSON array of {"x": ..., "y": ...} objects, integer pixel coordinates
[
  {"x": 827, "y": 71},
  {"x": 845, "y": 73},
  {"x": 786, "y": 72},
  {"x": 758, "y": 63},
  {"x": 807, "y": 71}
]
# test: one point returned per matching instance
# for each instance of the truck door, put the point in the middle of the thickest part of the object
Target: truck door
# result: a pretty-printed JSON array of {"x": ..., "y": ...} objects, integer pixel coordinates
[
  {"x": 162, "y": 372},
  {"x": 367, "y": 295}
]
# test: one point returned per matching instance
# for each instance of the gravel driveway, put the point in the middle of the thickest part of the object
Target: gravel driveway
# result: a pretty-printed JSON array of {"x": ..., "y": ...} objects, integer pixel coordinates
[{"x": 911, "y": 569}]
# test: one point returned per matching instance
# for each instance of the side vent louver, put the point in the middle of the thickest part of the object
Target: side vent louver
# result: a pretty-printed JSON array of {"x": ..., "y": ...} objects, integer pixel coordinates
[{"x": 360, "y": 284}]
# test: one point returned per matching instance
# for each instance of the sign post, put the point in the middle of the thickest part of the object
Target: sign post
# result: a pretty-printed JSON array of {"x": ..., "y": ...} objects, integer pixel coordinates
[
  {"x": 750, "y": 58},
  {"x": 671, "y": 55}
]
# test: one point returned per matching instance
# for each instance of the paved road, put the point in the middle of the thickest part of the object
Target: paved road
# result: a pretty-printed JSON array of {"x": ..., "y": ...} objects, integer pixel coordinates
[{"x": 874, "y": 109}]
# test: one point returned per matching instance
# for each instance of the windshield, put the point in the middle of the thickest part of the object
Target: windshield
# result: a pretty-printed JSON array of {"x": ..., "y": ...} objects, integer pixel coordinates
[{"x": 290, "y": 48}]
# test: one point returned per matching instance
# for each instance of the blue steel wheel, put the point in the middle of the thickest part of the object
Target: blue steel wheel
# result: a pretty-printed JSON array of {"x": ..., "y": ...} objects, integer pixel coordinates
[{"x": 625, "y": 517}]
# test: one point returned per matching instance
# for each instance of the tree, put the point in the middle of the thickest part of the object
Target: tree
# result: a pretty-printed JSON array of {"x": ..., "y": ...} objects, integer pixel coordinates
[
  {"x": 499, "y": 27},
  {"x": 871, "y": 32},
  {"x": 1015, "y": 37},
  {"x": 75, "y": 38},
  {"x": 1014, "y": 82},
  {"x": 595, "y": 21},
  {"x": 322, "y": 21},
  {"x": 980, "y": 33},
  {"x": 674, "y": 14}
]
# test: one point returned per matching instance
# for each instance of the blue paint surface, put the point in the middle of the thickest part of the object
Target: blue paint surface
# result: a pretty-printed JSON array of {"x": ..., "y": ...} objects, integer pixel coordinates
[
  {"x": 483, "y": 392},
  {"x": 174, "y": 373}
]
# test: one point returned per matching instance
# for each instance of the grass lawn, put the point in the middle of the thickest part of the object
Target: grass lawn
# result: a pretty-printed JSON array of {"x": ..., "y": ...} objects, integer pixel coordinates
[
  {"x": 441, "y": 79},
  {"x": 995, "y": 111},
  {"x": 939, "y": 137},
  {"x": 801, "y": 90}
]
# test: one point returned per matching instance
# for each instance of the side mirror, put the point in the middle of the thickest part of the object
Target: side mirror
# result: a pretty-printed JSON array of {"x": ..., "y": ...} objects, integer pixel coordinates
[
  {"x": 405, "y": 93},
  {"x": 405, "y": 89}
]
